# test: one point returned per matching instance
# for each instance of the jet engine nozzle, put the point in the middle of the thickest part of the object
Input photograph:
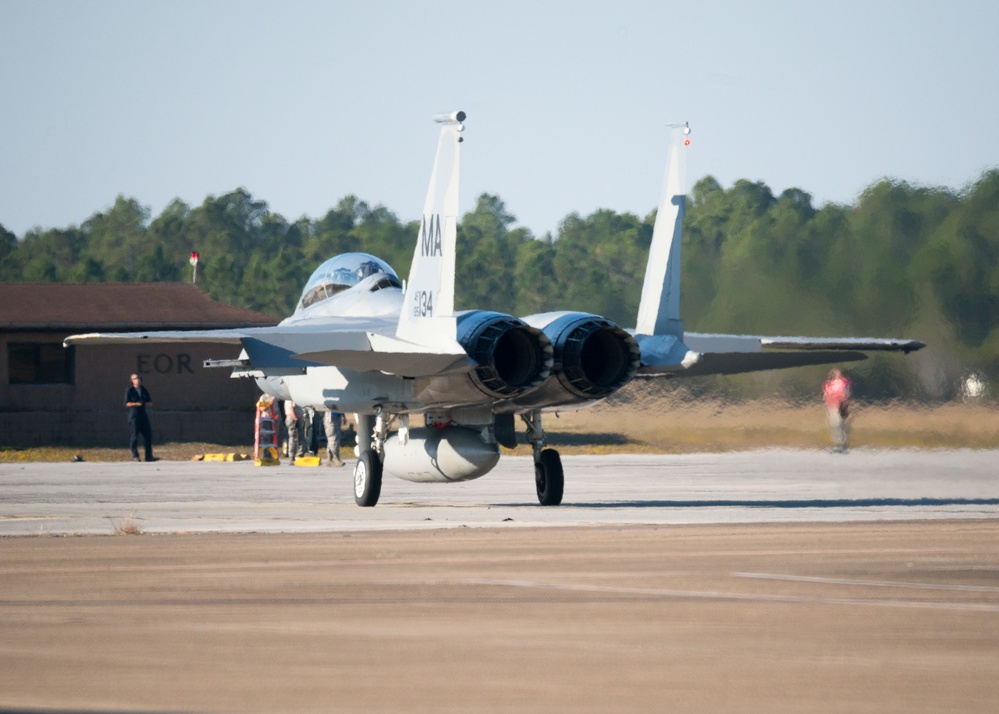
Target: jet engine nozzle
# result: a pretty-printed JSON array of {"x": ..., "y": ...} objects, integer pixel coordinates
[
  {"x": 593, "y": 358},
  {"x": 511, "y": 356}
]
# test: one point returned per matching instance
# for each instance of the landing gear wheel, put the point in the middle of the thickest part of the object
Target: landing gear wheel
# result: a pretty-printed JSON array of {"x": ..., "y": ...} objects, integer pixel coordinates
[
  {"x": 548, "y": 478},
  {"x": 367, "y": 479}
]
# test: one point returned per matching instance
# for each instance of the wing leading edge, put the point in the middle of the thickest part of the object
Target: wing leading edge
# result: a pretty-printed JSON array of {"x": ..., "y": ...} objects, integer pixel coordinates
[{"x": 336, "y": 343}]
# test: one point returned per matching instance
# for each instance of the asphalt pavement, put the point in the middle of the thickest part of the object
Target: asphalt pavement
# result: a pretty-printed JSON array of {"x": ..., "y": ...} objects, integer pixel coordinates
[
  {"x": 768, "y": 581},
  {"x": 756, "y": 486}
]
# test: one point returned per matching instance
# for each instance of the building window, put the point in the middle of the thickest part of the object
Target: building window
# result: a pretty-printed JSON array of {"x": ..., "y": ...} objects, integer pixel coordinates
[{"x": 40, "y": 363}]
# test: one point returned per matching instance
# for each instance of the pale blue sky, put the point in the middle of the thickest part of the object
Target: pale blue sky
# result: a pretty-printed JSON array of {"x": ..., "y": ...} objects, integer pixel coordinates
[{"x": 303, "y": 103}]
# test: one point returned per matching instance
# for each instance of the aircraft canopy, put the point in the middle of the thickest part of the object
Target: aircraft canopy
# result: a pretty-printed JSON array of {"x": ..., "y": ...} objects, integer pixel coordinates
[{"x": 342, "y": 272}]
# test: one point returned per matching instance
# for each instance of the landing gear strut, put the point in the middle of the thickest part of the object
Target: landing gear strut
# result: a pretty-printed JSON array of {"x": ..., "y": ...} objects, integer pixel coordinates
[{"x": 548, "y": 475}]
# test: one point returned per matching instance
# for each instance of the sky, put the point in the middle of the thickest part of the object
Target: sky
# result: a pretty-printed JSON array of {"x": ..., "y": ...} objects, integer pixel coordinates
[{"x": 303, "y": 103}]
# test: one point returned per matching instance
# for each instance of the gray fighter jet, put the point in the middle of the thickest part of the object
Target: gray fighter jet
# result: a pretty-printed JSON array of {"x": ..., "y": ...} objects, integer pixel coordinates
[{"x": 362, "y": 341}]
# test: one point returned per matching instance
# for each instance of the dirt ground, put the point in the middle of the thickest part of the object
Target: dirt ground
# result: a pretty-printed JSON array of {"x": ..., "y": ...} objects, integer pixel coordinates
[
  {"x": 659, "y": 419},
  {"x": 875, "y": 617}
]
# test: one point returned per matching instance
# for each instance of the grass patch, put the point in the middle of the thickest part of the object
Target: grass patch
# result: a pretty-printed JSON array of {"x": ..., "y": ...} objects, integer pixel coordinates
[
  {"x": 128, "y": 526},
  {"x": 651, "y": 421},
  {"x": 655, "y": 419}
]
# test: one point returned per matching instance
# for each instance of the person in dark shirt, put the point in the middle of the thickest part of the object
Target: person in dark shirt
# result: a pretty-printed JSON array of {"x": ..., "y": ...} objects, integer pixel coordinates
[{"x": 137, "y": 398}]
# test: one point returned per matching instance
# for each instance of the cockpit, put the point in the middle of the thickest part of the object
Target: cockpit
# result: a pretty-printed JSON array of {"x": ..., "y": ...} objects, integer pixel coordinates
[{"x": 343, "y": 272}]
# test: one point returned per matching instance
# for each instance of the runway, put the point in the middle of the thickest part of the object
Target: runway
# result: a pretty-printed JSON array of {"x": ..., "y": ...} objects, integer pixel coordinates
[
  {"x": 757, "y": 486},
  {"x": 759, "y": 582}
]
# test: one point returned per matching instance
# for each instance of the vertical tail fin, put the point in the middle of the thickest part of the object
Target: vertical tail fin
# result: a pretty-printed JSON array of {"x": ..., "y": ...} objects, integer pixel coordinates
[
  {"x": 659, "y": 311},
  {"x": 428, "y": 308}
]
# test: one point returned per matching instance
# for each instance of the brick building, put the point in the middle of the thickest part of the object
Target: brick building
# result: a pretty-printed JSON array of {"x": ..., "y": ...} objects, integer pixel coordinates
[{"x": 55, "y": 395}]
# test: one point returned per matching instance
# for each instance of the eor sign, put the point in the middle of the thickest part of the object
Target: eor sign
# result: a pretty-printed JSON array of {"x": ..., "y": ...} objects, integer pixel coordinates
[{"x": 163, "y": 363}]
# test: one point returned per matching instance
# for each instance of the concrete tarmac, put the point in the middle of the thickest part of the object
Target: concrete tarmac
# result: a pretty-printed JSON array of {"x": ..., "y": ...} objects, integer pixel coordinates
[
  {"x": 763, "y": 582},
  {"x": 757, "y": 486}
]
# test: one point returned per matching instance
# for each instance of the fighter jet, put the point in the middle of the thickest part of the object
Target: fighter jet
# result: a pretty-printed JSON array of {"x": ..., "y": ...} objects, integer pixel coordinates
[{"x": 395, "y": 354}]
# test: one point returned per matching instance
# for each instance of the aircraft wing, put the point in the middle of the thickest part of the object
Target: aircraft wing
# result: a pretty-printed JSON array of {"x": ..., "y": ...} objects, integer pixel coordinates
[
  {"x": 221, "y": 337},
  {"x": 348, "y": 343},
  {"x": 364, "y": 351},
  {"x": 733, "y": 354}
]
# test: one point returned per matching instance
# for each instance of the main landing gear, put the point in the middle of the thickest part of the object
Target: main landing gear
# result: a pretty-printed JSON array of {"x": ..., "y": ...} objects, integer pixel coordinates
[
  {"x": 368, "y": 470},
  {"x": 367, "y": 478},
  {"x": 549, "y": 479}
]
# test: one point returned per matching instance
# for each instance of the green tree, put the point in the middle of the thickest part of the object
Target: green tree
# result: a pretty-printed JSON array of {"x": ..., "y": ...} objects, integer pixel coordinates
[
  {"x": 595, "y": 263},
  {"x": 379, "y": 232},
  {"x": 49, "y": 255},
  {"x": 172, "y": 245},
  {"x": 8, "y": 255},
  {"x": 117, "y": 238},
  {"x": 487, "y": 257},
  {"x": 534, "y": 284},
  {"x": 903, "y": 259}
]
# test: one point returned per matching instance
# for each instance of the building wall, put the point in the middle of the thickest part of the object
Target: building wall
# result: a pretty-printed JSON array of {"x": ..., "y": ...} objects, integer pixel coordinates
[
  {"x": 190, "y": 403},
  {"x": 103, "y": 428}
]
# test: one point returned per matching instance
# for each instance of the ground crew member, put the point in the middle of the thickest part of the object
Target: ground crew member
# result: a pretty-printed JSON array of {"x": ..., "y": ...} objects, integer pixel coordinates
[
  {"x": 836, "y": 393},
  {"x": 137, "y": 398},
  {"x": 333, "y": 423}
]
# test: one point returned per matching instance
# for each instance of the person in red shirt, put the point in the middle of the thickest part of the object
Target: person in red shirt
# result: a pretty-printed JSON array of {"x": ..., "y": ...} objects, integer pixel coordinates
[{"x": 836, "y": 393}]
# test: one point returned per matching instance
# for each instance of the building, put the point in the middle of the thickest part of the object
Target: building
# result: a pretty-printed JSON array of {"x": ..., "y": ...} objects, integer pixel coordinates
[{"x": 50, "y": 394}]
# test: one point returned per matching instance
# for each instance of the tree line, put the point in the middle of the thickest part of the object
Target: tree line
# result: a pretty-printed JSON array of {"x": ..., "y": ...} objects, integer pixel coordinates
[{"x": 903, "y": 260}]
